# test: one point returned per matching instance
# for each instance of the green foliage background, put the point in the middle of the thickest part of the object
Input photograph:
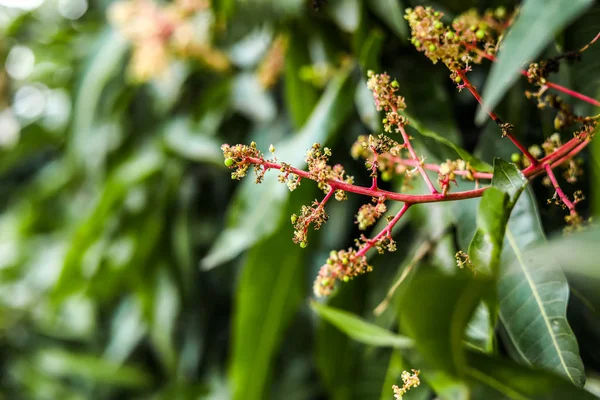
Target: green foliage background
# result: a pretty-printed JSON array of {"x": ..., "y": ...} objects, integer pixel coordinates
[{"x": 131, "y": 266}]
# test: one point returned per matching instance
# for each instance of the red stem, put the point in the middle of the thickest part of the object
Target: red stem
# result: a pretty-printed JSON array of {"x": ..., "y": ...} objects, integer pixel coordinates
[
  {"x": 415, "y": 157},
  {"x": 529, "y": 172},
  {"x": 436, "y": 168},
  {"x": 495, "y": 117},
  {"x": 563, "y": 197},
  {"x": 385, "y": 231}
]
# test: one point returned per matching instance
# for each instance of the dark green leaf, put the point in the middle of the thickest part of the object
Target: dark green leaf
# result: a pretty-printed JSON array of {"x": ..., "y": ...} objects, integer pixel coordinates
[
  {"x": 392, "y": 13},
  {"x": 501, "y": 378},
  {"x": 437, "y": 323},
  {"x": 360, "y": 330},
  {"x": 63, "y": 364},
  {"x": 269, "y": 293},
  {"x": 300, "y": 96},
  {"x": 535, "y": 26}
]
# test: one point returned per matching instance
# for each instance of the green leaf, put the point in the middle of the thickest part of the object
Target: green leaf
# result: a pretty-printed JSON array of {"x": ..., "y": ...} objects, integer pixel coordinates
[
  {"x": 576, "y": 255},
  {"x": 181, "y": 137},
  {"x": 269, "y": 292},
  {"x": 533, "y": 295},
  {"x": 359, "y": 329},
  {"x": 136, "y": 169},
  {"x": 104, "y": 65},
  {"x": 534, "y": 27},
  {"x": 63, "y": 364},
  {"x": 331, "y": 344},
  {"x": 391, "y": 13},
  {"x": 494, "y": 210},
  {"x": 480, "y": 331},
  {"x": 300, "y": 96},
  {"x": 345, "y": 13},
  {"x": 501, "y": 378},
  {"x": 437, "y": 323},
  {"x": 256, "y": 211}
]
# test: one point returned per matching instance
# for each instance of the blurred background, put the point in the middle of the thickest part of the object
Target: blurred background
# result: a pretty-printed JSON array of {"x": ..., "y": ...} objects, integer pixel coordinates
[{"x": 133, "y": 267}]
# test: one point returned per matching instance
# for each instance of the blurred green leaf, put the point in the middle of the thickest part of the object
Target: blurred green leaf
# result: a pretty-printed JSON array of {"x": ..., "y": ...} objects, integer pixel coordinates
[
  {"x": 165, "y": 310},
  {"x": 535, "y": 26},
  {"x": 339, "y": 378},
  {"x": 103, "y": 66},
  {"x": 360, "y": 330},
  {"x": 300, "y": 96},
  {"x": 392, "y": 13},
  {"x": 63, "y": 364},
  {"x": 135, "y": 170},
  {"x": 268, "y": 294},
  {"x": 181, "y": 138},
  {"x": 494, "y": 210},
  {"x": 501, "y": 378},
  {"x": 345, "y": 13},
  {"x": 533, "y": 297},
  {"x": 480, "y": 332},
  {"x": 438, "y": 323}
]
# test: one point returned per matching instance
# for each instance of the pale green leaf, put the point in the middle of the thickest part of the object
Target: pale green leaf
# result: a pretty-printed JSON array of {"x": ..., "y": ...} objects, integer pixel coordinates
[
  {"x": 359, "y": 329},
  {"x": 533, "y": 298}
]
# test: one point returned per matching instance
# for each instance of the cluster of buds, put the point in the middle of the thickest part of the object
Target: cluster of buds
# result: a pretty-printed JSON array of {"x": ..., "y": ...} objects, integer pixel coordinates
[
  {"x": 552, "y": 143},
  {"x": 341, "y": 265},
  {"x": 380, "y": 153},
  {"x": 236, "y": 157},
  {"x": 315, "y": 215},
  {"x": 409, "y": 380},
  {"x": 448, "y": 170},
  {"x": 386, "y": 99},
  {"x": 368, "y": 214},
  {"x": 159, "y": 34},
  {"x": 320, "y": 171},
  {"x": 449, "y": 44},
  {"x": 463, "y": 261}
]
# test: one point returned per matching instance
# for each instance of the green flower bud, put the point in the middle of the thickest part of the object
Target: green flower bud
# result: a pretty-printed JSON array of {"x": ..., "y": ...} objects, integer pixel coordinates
[
  {"x": 450, "y": 35},
  {"x": 458, "y": 79},
  {"x": 271, "y": 149},
  {"x": 294, "y": 218},
  {"x": 480, "y": 34},
  {"x": 500, "y": 12},
  {"x": 303, "y": 244},
  {"x": 346, "y": 278},
  {"x": 395, "y": 83},
  {"x": 417, "y": 43},
  {"x": 325, "y": 282},
  {"x": 386, "y": 176},
  {"x": 438, "y": 25},
  {"x": 370, "y": 73},
  {"x": 515, "y": 157},
  {"x": 229, "y": 161},
  {"x": 432, "y": 47}
]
